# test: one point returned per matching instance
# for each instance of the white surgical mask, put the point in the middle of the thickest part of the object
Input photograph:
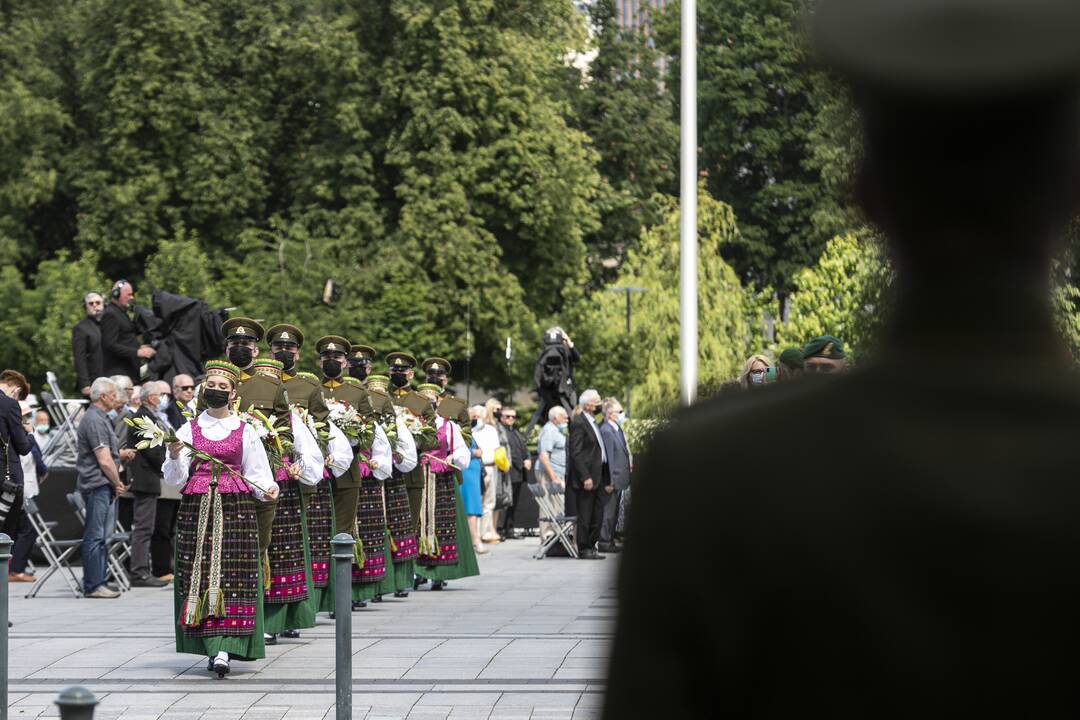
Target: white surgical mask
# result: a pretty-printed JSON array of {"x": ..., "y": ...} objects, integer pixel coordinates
[{"x": 621, "y": 418}]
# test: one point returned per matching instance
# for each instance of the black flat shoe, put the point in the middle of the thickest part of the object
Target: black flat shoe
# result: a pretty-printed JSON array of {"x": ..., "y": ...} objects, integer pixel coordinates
[
  {"x": 418, "y": 581},
  {"x": 438, "y": 585},
  {"x": 401, "y": 594},
  {"x": 332, "y": 615},
  {"x": 291, "y": 634},
  {"x": 358, "y": 605},
  {"x": 210, "y": 664},
  {"x": 221, "y": 667},
  {"x": 270, "y": 639},
  {"x": 377, "y": 598}
]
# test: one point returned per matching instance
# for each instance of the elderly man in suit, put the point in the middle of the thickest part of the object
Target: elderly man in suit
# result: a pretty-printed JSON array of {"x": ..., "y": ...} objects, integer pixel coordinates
[
  {"x": 620, "y": 462},
  {"x": 144, "y": 474},
  {"x": 587, "y": 474}
]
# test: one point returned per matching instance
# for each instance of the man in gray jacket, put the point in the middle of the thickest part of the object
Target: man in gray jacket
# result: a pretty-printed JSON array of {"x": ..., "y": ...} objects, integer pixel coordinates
[{"x": 620, "y": 463}]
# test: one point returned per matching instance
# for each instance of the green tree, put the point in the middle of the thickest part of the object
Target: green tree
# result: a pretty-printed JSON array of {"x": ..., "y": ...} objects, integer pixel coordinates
[
  {"x": 651, "y": 357},
  {"x": 627, "y": 113},
  {"x": 845, "y": 294}
]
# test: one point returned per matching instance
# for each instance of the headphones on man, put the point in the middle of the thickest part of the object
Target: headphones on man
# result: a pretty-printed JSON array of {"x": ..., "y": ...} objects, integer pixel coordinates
[{"x": 117, "y": 288}]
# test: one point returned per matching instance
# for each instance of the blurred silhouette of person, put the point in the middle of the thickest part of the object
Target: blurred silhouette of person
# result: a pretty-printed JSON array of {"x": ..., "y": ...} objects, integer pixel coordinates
[{"x": 910, "y": 551}]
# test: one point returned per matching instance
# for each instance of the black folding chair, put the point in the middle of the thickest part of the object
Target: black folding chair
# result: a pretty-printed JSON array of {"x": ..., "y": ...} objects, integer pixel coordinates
[
  {"x": 549, "y": 500},
  {"x": 115, "y": 542},
  {"x": 57, "y": 552}
]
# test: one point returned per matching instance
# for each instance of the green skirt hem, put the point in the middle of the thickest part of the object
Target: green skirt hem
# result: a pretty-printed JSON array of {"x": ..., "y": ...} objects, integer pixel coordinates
[
  {"x": 466, "y": 565},
  {"x": 279, "y": 617}
]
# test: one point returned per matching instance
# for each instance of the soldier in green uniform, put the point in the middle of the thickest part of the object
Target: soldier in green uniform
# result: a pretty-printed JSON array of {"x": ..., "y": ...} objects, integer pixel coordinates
[
  {"x": 305, "y": 393},
  {"x": 438, "y": 373},
  {"x": 910, "y": 551},
  {"x": 401, "y": 366},
  {"x": 255, "y": 392}
]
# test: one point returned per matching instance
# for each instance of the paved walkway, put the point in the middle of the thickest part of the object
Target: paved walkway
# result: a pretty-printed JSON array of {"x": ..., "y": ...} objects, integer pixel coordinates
[{"x": 526, "y": 639}]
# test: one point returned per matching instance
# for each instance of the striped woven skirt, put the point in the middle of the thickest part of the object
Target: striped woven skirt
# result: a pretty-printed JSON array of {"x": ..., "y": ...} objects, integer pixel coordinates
[
  {"x": 445, "y": 522},
  {"x": 371, "y": 530},
  {"x": 288, "y": 567},
  {"x": 320, "y": 525},
  {"x": 399, "y": 520},
  {"x": 239, "y": 565}
]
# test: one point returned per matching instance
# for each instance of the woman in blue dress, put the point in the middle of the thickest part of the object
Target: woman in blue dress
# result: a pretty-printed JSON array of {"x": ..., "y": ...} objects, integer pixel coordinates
[{"x": 472, "y": 496}]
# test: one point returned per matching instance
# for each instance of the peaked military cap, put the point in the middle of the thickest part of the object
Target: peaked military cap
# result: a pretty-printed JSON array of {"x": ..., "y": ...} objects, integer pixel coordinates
[
  {"x": 437, "y": 364},
  {"x": 972, "y": 45},
  {"x": 242, "y": 328},
  {"x": 283, "y": 332},
  {"x": 400, "y": 360},
  {"x": 331, "y": 344},
  {"x": 825, "y": 346},
  {"x": 362, "y": 352}
]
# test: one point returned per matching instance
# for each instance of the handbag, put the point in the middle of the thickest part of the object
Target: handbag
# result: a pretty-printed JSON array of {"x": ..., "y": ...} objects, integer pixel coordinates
[
  {"x": 504, "y": 492},
  {"x": 502, "y": 459}
]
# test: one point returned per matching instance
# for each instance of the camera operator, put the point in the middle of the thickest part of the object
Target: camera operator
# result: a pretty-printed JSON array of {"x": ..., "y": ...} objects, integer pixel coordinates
[
  {"x": 120, "y": 348},
  {"x": 14, "y": 441},
  {"x": 554, "y": 375}
]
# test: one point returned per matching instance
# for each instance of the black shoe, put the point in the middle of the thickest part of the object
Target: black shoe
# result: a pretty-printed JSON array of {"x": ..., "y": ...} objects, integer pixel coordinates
[
  {"x": 332, "y": 614},
  {"x": 148, "y": 581},
  {"x": 269, "y": 639},
  {"x": 437, "y": 585},
  {"x": 377, "y": 598},
  {"x": 210, "y": 664},
  {"x": 610, "y": 548},
  {"x": 401, "y": 594},
  {"x": 418, "y": 581},
  {"x": 291, "y": 634},
  {"x": 221, "y": 667},
  {"x": 358, "y": 605},
  {"x": 590, "y": 554}
]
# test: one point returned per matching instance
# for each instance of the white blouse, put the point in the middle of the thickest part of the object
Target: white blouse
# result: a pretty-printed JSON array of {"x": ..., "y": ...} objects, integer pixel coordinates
[
  {"x": 307, "y": 448},
  {"x": 406, "y": 448},
  {"x": 382, "y": 454},
  {"x": 255, "y": 467},
  {"x": 339, "y": 454},
  {"x": 461, "y": 455},
  {"x": 487, "y": 439}
]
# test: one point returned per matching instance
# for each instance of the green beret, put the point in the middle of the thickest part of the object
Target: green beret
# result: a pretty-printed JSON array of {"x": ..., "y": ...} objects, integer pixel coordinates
[
  {"x": 826, "y": 346},
  {"x": 792, "y": 358}
]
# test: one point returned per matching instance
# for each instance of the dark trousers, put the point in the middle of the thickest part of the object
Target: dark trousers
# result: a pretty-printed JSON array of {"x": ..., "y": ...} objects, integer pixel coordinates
[
  {"x": 590, "y": 512},
  {"x": 507, "y": 520},
  {"x": 611, "y": 516},
  {"x": 24, "y": 540},
  {"x": 161, "y": 542},
  {"x": 144, "y": 512}
]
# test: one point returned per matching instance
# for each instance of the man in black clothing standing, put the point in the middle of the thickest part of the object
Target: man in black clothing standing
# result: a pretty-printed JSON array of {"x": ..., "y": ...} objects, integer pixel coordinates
[
  {"x": 144, "y": 476},
  {"x": 86, "y": 343},
  {"x": 520, "y": 463},
  {"x": 587, "y": 474},
  {"x": 120, "y": 348}
]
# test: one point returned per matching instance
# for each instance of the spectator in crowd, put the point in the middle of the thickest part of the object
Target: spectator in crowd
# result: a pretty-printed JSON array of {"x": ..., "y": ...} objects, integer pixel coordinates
[
  {"x": 520, "y": 464},
  {"x": 97, "y": 478},
  {"x": 587, "y": 474},
  {"x": 42, "y": 427},
  {"x": 144, "y": 476},
  {"x": 753, "y": 372},
  {"x": 124, "y": 390},
  {"x": 620, "y": 464},
  {"x": 825, "y": 354},
  {"x": 164, "y": 393},
  {"x": 551, "y": 449},
  {"x": 120, "y": 347},
  {"x": 791, "y": 364},
  {"x": 183, "y": 390},
  {"x": 472, "y": 496},
  {"x": 487, "y": 441},
  {"x": 15, "y": 442},
  {"x": 34, "y": 473},
  {"x": 86, "y": 343}
]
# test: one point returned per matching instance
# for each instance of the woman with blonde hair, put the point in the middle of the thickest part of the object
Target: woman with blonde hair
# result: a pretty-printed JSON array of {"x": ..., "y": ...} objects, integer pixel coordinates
[
  {"x": 753, "y": 371},
  {"x": 489, "y": 440}
]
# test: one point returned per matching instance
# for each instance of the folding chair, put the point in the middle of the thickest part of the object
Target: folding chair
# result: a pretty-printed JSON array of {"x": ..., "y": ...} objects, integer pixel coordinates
[
  {"x": 62, "y": 448},
  {"x": 114, "y": 566},
  {"x": 57, "y": 552},
  {"x": 549, "y": 502}
]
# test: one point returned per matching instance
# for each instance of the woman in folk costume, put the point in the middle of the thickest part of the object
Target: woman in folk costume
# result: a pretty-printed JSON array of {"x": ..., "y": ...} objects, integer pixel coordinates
[
  {"x": 338, "y": 456},
  {"x": 288, "y": 585},
  {"x": 218, "y": 584},
  {"x": 442, "y": 521},
  {"x": 401, "y": 545}
]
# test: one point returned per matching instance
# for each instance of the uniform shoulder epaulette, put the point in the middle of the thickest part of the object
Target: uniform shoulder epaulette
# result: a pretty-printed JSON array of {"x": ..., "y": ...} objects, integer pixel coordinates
[{"x": 310, "y": 377}]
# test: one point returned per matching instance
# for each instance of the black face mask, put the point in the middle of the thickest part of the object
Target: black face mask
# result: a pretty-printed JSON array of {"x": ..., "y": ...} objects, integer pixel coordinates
[
  {"x": 286, "y": 358},
  {"x": 358, "y": 371},
  {"x": 331, "y": 368},
  {"x": 216, "y": 398},
  {"x": 240, "y": 356},
  {"x": 399, "y": 380}
]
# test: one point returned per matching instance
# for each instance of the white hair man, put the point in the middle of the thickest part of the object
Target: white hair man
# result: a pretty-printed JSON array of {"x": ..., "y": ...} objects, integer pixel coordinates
[
  {"x": 587, "y": 474},
  {"x": 144, "y": 475}
]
